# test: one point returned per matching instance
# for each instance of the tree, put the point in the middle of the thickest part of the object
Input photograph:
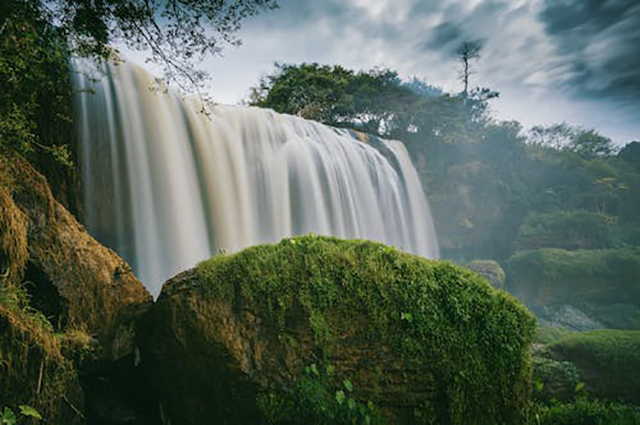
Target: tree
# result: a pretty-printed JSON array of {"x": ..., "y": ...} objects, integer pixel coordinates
[
  {"x": 467, "y": 52},
  {"x": 37, "y": 38},
  {"x": 177, "y": 34},
  {"x": 375, "y": 101},
  {"x": 590, "y": 143}
]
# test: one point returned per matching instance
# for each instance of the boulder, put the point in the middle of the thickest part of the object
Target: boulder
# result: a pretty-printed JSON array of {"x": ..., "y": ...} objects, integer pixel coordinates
[
  {"x": 72, "y": 279},
  {"x": 68, "y": 305},
  {"x": 490, "y": 270},
  {"x": 242, "y": 337}
]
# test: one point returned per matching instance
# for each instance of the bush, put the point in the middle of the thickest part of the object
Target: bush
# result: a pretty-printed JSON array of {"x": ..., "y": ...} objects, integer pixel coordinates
[
  {"x": 567, "y": 230},
  {"x": 548, "y": 334},
  {"x": 608, "y": 361},
  {"x": 583, "y": 411},
  {"x": 555, "y": 276}
]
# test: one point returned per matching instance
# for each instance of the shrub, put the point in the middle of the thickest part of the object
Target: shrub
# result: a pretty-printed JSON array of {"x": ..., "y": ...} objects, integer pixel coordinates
[
  {"x": 567, "y": 230},
  {"x": 583, "y": 411},
  {"x": 608, "y": 361},
  {"x": 555, "y": 276}
]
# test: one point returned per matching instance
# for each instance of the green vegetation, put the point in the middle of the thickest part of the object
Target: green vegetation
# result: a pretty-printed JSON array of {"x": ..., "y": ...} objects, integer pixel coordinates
[
  {"x": 601, "y": 277},
  {"x": 549, "y": 334},
  {"x": 567, "y": 230},
  {"x": 473, "y": 338},
  {"x": 312, "y": 399},
  {"x": 38, "y": 39},
  {"x": 9, "y": 417},
  {"x": 608, "y": 361},
  {"x": 583, "y": 411},
  {"x": 493, "y": 187}
]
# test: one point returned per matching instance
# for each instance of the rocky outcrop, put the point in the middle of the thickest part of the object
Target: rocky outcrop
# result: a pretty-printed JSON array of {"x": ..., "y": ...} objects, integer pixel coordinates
[
  {"x": 490, "y": 270},
  {"x": 33, "y": 370},
  {"x": 76, "y": 282},
  {"x": 68, "y": 305},
  {"x": 421, "y": 340}
]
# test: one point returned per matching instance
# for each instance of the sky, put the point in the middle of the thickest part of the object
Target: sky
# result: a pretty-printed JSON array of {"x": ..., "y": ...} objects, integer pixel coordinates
[{"x": 551, "y": 60}]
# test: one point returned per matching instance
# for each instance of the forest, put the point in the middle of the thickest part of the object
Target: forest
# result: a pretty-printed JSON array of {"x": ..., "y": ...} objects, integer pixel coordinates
[{"x": 313, "y": 314}]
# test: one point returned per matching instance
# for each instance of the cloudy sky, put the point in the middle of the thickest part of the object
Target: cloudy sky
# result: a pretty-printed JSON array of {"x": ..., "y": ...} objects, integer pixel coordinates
[{"x": 551, "y": 60}]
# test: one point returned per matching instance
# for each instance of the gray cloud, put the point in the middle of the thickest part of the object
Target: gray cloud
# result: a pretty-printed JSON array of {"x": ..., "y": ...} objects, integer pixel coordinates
[{"x": 600, "y": 43}]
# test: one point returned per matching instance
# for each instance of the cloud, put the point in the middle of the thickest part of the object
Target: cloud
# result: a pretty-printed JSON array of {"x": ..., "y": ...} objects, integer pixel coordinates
[{"x": 599, "y": 43}]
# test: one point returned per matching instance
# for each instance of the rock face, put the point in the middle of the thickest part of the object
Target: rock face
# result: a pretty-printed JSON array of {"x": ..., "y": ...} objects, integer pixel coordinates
[
  {"x": 422, "y": 340},
  {"x": 76, "y": 282},
  {"x": 64, "y": 299},
  {"x": 490, "y": 270}
]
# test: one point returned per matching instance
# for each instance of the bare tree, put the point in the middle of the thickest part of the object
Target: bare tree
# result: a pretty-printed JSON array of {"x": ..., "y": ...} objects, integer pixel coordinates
[{"x": 468, "y": 51}]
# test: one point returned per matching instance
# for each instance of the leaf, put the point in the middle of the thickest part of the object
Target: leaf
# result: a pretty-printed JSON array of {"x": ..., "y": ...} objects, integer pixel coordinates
[
  {"x": 8, "y": 417},
  {"x": 579, "y": 387},
  {"x": 29, "y": 412},
  {"x": 340, "y": 396},
  {"x": 406, "y": 316},
  {"x": 348, "y": 385},
  {"x": 314, "y": 370},
  {"x": 351, "y": 404}
]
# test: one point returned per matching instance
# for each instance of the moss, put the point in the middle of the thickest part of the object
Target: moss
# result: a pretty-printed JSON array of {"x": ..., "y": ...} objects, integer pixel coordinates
[
  {"x": 555, "y": 276},
  {"x": 619, "y": 316},
  {"x": 608, "y": 361},
  {"x": 34, "y": 371},
  {"x": 13, "y": 232},
  {"x": 583, "y": 411},
  {"x": 475, "y": 338},
  {"x": 549, "y": 334}
]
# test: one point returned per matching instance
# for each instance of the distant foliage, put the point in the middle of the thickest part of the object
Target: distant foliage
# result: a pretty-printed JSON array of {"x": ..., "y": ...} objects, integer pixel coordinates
[
  {"x": 567, "y": 230},
  {"x": 555, "y": 276},
  {"x": 583, "y": 411},
  {"x": 607, "y": 359}
]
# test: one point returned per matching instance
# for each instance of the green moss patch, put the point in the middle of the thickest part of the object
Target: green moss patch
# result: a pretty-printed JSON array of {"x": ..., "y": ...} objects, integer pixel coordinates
[
  {"x": 608, "y": 361},
  {"x": 474, "y": 339},
  {"x": 555, "y": 276}
]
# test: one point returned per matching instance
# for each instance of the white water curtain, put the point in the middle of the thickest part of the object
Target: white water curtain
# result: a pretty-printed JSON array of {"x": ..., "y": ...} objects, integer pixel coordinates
[{"x": 167, "y": 186}]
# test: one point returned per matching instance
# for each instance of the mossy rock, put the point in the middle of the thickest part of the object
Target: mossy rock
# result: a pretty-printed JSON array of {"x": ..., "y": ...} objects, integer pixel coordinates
[
  {"x": 490, "y": 270},
  {"x": 554, "y": 276},
  {"x": 71, "y": 278},
  {"x": 608, "y": 362},
  {"x": 33, "y": 370},
  {"x": 415, "y": 337}
]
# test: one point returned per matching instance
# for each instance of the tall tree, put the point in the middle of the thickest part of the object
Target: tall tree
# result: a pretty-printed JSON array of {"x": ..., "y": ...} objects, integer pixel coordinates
[{"x": 467, "y": 52}]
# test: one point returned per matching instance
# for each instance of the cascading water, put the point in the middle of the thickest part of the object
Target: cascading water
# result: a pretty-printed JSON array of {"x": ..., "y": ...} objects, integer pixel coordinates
[{"x": 167, "y": 186}]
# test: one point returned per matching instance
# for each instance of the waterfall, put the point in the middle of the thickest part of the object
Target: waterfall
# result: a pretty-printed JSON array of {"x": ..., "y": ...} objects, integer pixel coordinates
[{"x": 167, "y": 186}]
